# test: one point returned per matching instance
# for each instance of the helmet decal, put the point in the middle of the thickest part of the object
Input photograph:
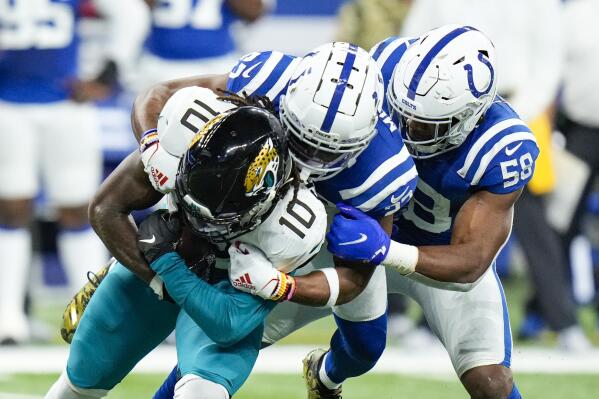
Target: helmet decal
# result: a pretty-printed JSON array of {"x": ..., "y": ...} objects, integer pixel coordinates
[
  {"x": 262, "y": 171},
  {"x": 471, "y": 85},
  {"x": 428, "y": 58}
]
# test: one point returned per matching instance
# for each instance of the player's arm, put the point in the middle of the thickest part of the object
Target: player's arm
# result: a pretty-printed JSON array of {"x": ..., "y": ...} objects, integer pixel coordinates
[
  {"x": 324, "y": 287},
  {"x": 126, "y": 189},
  {"x": 225, "y": 318},
  {"x": 481, "y": 227},
  {"x": 314, "y": 289},
  {"x": 148, "y": 104}
]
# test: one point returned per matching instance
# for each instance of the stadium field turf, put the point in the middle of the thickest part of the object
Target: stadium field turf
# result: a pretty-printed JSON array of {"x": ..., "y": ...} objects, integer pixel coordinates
[{"x": 380, "y": 386}]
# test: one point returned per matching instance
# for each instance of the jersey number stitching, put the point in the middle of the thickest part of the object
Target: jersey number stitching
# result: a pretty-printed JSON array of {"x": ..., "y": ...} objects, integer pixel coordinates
[{"x": 303, "y": 222}]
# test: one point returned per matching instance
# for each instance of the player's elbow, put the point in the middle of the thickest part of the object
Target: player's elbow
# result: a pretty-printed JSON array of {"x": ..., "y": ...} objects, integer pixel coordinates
[{"x": 475, "y": 271}]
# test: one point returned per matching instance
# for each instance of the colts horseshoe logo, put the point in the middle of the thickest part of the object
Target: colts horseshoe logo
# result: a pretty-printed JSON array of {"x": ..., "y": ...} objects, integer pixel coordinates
[{"x": 471, "y": 85}]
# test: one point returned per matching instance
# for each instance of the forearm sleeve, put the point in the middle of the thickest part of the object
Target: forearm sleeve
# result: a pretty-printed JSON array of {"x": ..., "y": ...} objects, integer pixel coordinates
[{"x": 224, "y": 317}]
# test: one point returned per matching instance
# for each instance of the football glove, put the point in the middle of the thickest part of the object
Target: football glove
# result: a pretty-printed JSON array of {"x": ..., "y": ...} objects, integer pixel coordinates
[
  {"x": 158, "y": 234},
  {"x": 74, "y": 310},
  {"x": 252, "y": 272},
  {"x": 356, "y": 236},
  {"x": 160, "y": 166}
]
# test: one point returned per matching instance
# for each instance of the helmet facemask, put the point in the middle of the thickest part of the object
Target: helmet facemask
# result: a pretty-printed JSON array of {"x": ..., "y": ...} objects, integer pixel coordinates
[
  {"x": 226, "y": 188},
  {"x": 319, "y": 154}
]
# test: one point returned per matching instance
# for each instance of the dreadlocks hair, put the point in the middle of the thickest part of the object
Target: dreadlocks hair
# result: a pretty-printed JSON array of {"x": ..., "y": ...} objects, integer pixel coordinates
[
  {"x": 265, "y": 103},
  {"x": 246, "y": 100}
]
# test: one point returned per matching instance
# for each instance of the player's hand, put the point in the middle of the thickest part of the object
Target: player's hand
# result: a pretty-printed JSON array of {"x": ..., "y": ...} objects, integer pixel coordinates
[
  {"x": 356, "y": 236},
  {"x": 160, "y": 166},
  {"x": 158, "y": 234},
  {"x": 252, "y": 272}
]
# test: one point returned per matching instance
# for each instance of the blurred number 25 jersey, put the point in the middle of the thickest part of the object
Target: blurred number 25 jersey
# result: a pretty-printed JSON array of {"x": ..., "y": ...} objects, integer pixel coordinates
[{"x": 379, "y": 182}]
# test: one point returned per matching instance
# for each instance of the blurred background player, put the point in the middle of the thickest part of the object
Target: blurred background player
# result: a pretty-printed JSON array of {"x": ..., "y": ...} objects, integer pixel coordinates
[
  {"x": 50, "y": 132},
  {"x": 191, "y": 37},
  {"x": 529, "y": 48},
  {"x": 577, "y": 117}
]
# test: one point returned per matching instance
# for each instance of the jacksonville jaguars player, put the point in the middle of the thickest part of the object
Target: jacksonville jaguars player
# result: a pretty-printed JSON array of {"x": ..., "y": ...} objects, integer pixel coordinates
[
  {"x": 319, "y": 97},
  {"x": 189, "y": 37},
  {"x": 50, "y": 130},
  {"x": 233, "y": 183},
  {"x": 474, "y": 155}
]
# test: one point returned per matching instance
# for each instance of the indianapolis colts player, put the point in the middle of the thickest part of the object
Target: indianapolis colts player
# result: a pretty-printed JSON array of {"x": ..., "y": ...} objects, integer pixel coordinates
[
  {"x": 49, "y": 131},
  {"x": 319, "y": 99},
  {"x": 474, "y": 155}
]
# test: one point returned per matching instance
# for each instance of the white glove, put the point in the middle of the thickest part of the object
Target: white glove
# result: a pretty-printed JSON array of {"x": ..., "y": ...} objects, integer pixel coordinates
[
  {"x": 160, "y": 166},
  {"x": 252, "y": 272}
]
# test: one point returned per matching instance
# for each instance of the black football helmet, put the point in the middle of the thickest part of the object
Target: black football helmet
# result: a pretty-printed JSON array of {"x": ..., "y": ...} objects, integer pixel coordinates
[{"x": 232, "y": 173}]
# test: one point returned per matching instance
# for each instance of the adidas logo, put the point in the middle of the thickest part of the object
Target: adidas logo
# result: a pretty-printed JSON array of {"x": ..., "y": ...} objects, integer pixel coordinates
[
  {"x": 159, "y": 177},
  {"x": 244, "y": 282}
]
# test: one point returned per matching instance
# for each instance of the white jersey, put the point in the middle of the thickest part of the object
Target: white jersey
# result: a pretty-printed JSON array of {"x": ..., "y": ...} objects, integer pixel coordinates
[{"x": 289, "y": 237}]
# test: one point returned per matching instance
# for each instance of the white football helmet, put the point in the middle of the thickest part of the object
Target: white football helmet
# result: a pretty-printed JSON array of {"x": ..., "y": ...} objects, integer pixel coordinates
[
  {"x": 441, "y": 87},
  {"x": 331, "y": 108}
]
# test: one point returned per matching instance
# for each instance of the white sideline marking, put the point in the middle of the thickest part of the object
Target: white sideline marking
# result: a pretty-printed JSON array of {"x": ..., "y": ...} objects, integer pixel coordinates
[{"x": 287, "y": 359}]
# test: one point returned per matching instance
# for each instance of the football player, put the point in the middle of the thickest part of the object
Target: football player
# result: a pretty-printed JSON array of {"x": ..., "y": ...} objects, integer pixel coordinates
[
  {"x": 319, "y": 98},
  {"x": 49, "y": 130},
  {"x": 474, "y": 155},
  {"x": 234, "y": 186}
]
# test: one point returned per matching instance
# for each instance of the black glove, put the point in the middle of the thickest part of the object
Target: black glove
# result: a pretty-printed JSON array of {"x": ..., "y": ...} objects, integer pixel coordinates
[{"x": 158, "y": 234}]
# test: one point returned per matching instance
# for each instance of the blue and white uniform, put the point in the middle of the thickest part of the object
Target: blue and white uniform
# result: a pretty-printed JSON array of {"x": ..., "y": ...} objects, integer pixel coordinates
[
  {"x": 498, "y": 156},
  {"x": 38, "y": 124},
  {"x": 380, "y": 181},
  {"x": 41, "y": 129},
  {"x": 190, "y": 37}
]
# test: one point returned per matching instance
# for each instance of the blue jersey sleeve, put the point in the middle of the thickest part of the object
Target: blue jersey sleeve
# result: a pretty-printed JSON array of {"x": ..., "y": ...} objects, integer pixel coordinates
[
  {"x": 264, "y": 73},
  {"x": 512, "y": 167},
  {"x": 501, "y": 157},
  {"x": 381, "y": 181},
  {"x": 387, "y": 55}
]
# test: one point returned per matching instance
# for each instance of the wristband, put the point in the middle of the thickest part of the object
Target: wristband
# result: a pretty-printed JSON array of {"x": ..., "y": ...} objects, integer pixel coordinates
[
  {"x": 284, "y": 288},
  {"x": 401, "y": 257},
  {"x": 149, "y": 138},
  {"x": 333, "y": 279}
]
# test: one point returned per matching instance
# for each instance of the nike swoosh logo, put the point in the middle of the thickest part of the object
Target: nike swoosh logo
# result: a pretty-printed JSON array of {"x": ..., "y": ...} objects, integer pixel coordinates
[
  {"x": 149, "y": 240},
  {"x": 510, "y": 151},
  {"x": 395, "y": 200},
  {"x": 363, "y": 237},
  {"x": 246, "y": 73}
]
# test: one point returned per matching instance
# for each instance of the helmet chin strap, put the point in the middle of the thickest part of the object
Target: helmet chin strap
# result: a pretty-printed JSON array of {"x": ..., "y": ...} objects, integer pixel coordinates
[{"x": 304, "y": 174}]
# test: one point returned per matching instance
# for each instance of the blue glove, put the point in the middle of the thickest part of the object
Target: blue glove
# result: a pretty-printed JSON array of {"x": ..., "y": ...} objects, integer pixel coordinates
[{"x": 356, "y": 236}]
